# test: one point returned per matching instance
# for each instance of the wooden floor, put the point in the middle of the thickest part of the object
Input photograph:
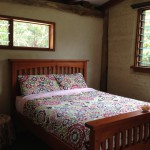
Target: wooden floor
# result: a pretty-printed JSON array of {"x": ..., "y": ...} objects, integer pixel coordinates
[{"x": 26, "y": 141}]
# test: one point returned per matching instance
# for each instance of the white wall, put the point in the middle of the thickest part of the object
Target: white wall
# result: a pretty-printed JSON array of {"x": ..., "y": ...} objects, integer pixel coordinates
[
  {"x": 77, "y": 37},
  {"x": 122, "y": 33}
]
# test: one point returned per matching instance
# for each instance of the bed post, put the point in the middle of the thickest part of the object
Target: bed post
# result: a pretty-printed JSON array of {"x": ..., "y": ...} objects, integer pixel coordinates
[{"x": 85, "y": 70}]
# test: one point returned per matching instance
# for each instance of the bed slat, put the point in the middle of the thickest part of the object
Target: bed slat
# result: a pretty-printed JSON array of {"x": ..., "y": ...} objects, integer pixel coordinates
[
  {"x": 117, "y": 141},
  {"x": 146, "y": 131},
  {"x": 130, "y": 131},
  {"x": 141, "y": 133},
  {"x": 103, "y": 145},
  {"x": 135, "y": 134},
  {"x": 110, "y": 143}
]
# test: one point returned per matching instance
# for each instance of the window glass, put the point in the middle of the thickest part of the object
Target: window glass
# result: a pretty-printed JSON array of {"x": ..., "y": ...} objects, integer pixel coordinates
[
  {"x": 144, "y": 42},
  {"x": 28, "y": 34},
  {"x": 4, "y": 32}
]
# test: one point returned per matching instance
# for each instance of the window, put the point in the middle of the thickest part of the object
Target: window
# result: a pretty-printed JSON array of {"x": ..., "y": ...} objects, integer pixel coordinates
[
  {"x": 142, "y": 53},
  {"x": 27, "y": 34}
]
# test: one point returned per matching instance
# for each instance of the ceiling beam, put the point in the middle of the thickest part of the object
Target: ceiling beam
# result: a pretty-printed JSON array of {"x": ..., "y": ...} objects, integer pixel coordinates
[
  {"x": 109, "y": 4},
  {"x": 83, "y": 3},
  {"x": 76, "y": 9},
  {"x": 62, "y": 1},
  {"x": 140, "y": 5}
]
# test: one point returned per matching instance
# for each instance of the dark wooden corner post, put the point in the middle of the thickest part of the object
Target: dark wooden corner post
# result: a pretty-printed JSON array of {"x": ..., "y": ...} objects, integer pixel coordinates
[
  {"x": 104, "y": 57},
  {"x": 104, "y": 54}
]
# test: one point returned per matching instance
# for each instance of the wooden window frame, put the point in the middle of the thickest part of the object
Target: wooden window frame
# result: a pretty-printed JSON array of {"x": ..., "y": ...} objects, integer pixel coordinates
[
  {"x": 11, "y": 46},
  {"x": 136, "y": 66}
]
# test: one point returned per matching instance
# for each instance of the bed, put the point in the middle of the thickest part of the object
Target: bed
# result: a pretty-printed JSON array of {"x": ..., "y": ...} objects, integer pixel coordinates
[{"x": 126, "y": 131}]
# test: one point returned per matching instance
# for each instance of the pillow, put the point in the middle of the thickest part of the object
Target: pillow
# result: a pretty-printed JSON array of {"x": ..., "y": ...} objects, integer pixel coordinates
[
  {"x": 34, "y": 84},
  {"x": 71, "y": 81}
]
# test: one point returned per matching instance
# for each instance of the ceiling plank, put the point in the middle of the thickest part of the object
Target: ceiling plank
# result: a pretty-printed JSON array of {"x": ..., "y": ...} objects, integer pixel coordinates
[{"x": 109, "y": 4}]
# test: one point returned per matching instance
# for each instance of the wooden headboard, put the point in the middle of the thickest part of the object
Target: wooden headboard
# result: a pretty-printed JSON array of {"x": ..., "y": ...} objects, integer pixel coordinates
[{"x": 43, "y": 66}]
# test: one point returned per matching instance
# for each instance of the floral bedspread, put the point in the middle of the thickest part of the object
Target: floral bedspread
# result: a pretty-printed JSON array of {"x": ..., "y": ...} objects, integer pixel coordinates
[{"x": 65, "y": 115}]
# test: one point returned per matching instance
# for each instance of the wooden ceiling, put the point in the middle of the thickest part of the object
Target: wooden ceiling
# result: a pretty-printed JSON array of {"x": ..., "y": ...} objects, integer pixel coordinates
[
  {"x": 97, "y": 4},
  {"x": 95, "y": 8}
]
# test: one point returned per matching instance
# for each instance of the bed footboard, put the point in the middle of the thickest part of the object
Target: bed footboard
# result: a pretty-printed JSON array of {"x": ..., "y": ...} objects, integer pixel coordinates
[{"x": 130, "y": 131}]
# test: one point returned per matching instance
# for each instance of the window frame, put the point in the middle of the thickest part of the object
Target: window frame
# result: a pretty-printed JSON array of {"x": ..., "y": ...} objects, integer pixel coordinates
[
  {"x": 11, "y": 46},
  {"x": 136, "y": 67}
]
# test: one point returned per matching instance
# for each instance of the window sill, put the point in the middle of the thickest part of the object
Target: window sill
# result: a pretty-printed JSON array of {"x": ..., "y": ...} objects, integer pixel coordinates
[
  {"x": 25, "y": 48},
  {"x": 141, "y": 69}
]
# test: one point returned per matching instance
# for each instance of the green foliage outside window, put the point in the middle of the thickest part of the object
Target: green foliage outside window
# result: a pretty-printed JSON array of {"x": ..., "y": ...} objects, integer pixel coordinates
[
  {"x": 145, "y": 45},
  {"x": 4, "y": 32},
  {"x": 31, "y": 35}
]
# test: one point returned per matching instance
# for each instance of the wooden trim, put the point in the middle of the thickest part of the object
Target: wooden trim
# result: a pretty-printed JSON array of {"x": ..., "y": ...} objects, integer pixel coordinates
[
  {"x": 141, "y": 69},
  {"x": 137, "y": 39},
  {"x": 109, "y": 4},
  {"x": 53, "y": 36},
  {"x": 25, "y": 48},
  {"x": 11, "y": 33},
  {"x": 26, "y": 19}
]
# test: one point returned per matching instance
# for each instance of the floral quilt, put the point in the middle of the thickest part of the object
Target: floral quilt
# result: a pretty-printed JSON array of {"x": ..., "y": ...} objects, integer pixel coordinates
[{"x": 65, "y": 115}]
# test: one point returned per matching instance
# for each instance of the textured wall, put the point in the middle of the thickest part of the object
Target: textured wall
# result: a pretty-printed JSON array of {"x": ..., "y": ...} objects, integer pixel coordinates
[
  {"x": 77, "y": 37},
  {"x": 122, "y": 31}
]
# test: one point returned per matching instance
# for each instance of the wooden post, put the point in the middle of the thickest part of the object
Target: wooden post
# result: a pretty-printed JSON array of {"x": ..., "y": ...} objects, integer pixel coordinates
[{"x": 104, "y": 57}]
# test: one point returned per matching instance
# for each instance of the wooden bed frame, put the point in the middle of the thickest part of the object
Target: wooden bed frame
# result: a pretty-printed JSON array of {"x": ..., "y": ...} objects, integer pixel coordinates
[{"x": 130, "y": 131}]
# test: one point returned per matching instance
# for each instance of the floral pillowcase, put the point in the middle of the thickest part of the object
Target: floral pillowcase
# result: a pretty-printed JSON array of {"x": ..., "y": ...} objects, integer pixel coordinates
[
  {"x": 70, "y": 81},
  {"x": 34, "y": 84}
]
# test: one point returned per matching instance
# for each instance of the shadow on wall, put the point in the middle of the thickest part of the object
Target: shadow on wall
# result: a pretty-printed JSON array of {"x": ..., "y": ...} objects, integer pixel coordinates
[{"x": 5, "y": 86}]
